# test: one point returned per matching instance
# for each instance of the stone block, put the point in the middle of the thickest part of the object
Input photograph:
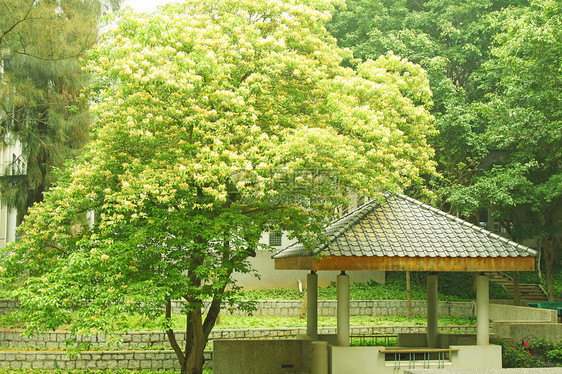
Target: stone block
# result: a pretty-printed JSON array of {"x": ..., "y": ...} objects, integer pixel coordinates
[
  {"x": 49, "y": 365},
  {"x": 92, "y": 364},
  {"x": 134, "y": 364},
  {"x": 168, "y": 364}
]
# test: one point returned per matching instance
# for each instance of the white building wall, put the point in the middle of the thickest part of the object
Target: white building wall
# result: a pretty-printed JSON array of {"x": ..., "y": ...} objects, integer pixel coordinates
[
  {"x": 11, "y": 164},
  {"x": 272, "y": 278}
]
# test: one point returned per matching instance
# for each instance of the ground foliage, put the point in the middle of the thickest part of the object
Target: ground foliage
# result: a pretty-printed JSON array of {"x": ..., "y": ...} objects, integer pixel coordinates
[
  {"x": 118, "y": 371},
  {"x": 452, "y": 287},
  {"x": 141, "y": 323}
]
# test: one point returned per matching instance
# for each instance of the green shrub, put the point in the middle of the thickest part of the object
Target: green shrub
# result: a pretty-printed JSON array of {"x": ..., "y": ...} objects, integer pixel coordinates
[
  {"x": 555, "y": 356},
  {"x": 539, "y": 346}
]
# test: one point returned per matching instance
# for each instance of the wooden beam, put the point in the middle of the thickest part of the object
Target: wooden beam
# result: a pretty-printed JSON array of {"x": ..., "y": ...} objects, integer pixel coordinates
[
  {"x": 458, "y": 264},
  {"x": 294, "y": 263}
]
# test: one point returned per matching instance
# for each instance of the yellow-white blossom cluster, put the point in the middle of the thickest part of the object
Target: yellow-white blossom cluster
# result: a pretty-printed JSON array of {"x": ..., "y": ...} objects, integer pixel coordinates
[{"x": 208, "y": 104}]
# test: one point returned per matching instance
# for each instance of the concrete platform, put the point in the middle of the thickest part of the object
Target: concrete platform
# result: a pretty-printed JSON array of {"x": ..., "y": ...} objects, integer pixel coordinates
[{"x": 557, "y": 370}]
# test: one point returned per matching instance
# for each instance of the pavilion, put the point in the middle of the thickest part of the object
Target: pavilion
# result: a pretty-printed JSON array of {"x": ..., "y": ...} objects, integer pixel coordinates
[{"x": 403, "y": 234}]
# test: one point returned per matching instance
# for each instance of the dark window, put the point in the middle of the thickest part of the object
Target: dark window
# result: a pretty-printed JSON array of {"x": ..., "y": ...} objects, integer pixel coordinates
[{"x": 276, "y": 238}]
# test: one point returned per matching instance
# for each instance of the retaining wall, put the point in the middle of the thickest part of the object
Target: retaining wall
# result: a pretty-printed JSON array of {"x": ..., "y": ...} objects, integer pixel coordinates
[
  {"x": 132, "y": 360},
  {"x": 8, "y": 306},
  {"x": 527, "y": 330},
  {"x": 149, "y": 339},
  {"x": 154, "y": 359},
  {"x": 292, "y": 308},
  {"x": 521, "y": 313}
]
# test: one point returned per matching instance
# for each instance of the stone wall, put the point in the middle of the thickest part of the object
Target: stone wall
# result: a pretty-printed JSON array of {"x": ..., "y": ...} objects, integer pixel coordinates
[
  {"x": 132, "y": 360},
  {"x": 8, "y": 306},
  {"x": 149, "y": 339},
  {"x": 292, "y": 308}
]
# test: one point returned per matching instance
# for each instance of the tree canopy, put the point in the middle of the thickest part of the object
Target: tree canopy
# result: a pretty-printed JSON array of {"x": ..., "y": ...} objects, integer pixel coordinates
[
  {"x": 522, "y": 187},
  {"x": 213, "y": 122},
  {"x": 494, "y": 68}
]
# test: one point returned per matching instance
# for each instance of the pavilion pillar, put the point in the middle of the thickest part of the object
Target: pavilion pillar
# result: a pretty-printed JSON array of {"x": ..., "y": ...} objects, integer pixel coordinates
[
  {"x": 312, "y": 305},
  {"x": 482, "y": 310},
  {"x": 432, "y": 328},
  {"x": 342, "y": 285}
]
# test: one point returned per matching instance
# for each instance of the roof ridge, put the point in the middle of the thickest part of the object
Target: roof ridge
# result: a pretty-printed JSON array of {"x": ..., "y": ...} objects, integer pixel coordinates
[{"x": 468, "y": 224}]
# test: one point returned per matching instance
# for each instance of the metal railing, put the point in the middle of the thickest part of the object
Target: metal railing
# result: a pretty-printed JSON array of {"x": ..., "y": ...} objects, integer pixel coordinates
[{"x": 425, "y": 355}]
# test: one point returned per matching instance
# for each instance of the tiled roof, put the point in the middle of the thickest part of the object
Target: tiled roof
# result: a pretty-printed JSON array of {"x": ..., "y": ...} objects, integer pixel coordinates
[{"x": 405, "y": 227}]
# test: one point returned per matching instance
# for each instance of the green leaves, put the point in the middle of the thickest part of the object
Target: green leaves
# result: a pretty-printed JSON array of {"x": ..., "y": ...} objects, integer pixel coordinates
[{"x": 214, "y": 122}]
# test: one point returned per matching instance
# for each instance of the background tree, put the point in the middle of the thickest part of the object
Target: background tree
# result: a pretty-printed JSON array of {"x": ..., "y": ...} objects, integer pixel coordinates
[
  {"x": 40, "y": 43},
  {"x": 214, "y": 122},
  {"x": 523, "y": 184},
  {"x": 450, "y": 40},
  {"x": 494, "y": 71}
]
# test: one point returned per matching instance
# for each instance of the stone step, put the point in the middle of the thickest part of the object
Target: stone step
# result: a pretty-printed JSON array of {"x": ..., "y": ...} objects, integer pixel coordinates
[{"x": 528, "y": 291}]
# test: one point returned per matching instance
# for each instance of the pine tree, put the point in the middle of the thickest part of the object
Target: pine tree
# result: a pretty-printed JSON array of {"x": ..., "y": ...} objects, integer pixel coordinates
[{"x": 40, "y": 46}]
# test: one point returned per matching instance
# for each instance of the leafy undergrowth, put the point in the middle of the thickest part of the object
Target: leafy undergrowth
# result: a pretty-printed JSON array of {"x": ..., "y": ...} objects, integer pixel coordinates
[
  {"x": 452, "y": 287},
  {"x": 532, "y": 353},
  {"x": 118, "y": 371},
  {"x": 142, "y": 323},
  {"x": 238, "y": 322}
]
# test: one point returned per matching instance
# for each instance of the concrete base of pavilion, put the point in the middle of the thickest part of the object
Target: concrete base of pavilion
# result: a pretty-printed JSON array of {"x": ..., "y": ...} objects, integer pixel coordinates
[
  {"x": 368, "y": 360},
  {"x": 332, "y": 354},
  {"x": 430, "y": 350}
]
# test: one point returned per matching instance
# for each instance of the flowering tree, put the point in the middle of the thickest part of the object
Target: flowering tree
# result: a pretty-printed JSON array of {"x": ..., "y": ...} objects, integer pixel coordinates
[{"x": 214, "y": 121}]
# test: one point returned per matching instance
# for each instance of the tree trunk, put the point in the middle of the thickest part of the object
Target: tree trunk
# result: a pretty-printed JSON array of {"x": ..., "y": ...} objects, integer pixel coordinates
[
  {"x": 516, "y": 290},
  {"x": 194, "y": 354},
  {"x": 549, "y": 264},
  {"x": 409, "y": 294},
  {"x": 197, "y": 332}
]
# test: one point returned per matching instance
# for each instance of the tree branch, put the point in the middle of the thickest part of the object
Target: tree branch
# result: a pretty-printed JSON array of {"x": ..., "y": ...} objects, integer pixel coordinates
[
  {"x": 16, "y": 23},
  {"x": 171, "y": 336}
]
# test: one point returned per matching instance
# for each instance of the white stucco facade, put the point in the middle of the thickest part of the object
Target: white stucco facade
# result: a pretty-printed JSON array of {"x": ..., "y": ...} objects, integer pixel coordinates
[
  {"x": 11, "y": 164},
  {"x": 269, "y": 277}
]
